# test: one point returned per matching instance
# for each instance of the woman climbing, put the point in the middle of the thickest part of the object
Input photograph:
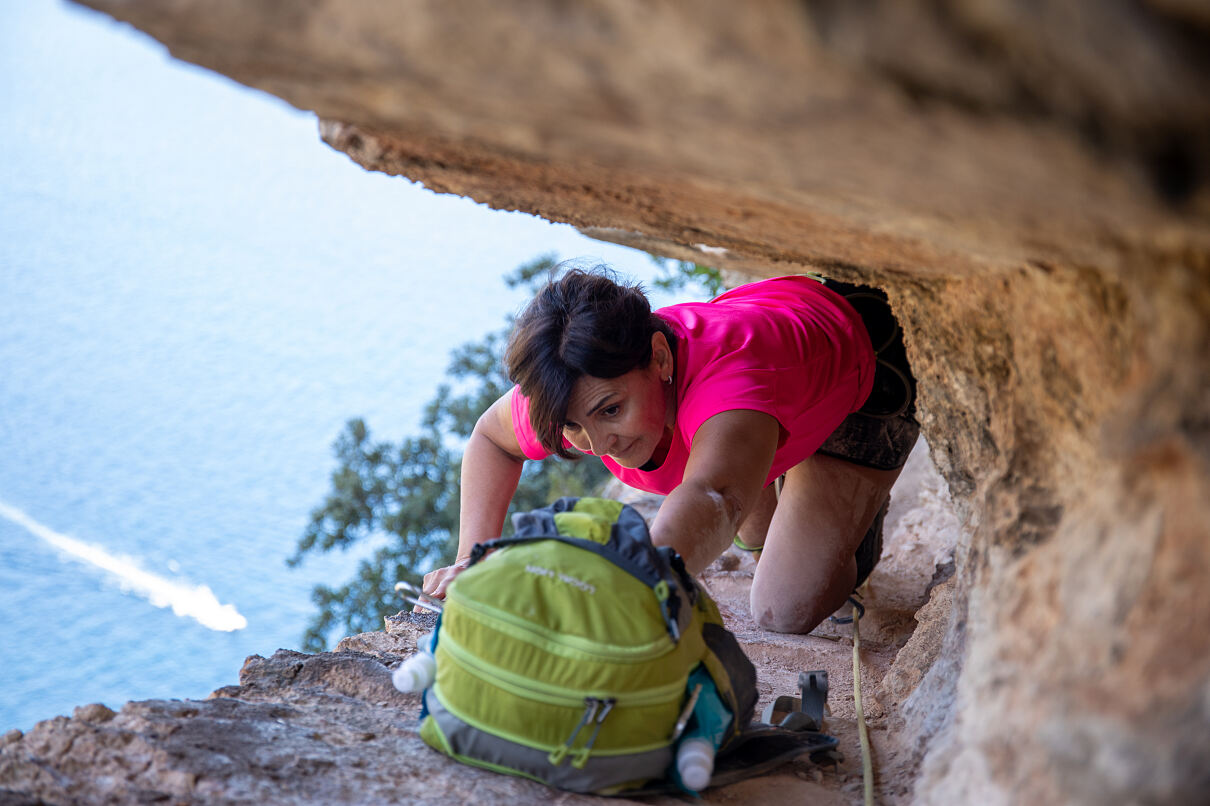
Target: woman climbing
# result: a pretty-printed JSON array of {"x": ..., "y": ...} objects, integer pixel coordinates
[{"x": 789, "y": 383}]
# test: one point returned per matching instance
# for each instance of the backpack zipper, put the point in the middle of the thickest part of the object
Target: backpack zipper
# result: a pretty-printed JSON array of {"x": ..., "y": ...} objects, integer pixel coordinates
[
  {"x": 557, "y": 642},
  {"x": 524, "y": 687},
  {"x": 594, "y": 706}
]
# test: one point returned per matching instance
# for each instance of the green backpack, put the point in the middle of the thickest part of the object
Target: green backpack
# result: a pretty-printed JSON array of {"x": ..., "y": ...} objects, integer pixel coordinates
[{"x": 563, "y": 656}]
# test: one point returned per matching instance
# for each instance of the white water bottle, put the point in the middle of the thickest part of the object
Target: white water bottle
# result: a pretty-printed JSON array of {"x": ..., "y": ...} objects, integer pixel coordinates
[
  {"x": 695, "y": 762},
  {"x": 417, "y": 672}
]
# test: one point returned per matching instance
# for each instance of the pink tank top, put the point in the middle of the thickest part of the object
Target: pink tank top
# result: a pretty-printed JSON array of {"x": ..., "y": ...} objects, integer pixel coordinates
[{"x": 788, "y": 347}]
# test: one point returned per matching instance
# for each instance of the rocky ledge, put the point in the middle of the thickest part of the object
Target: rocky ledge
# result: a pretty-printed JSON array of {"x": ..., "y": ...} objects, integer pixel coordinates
[{"x": 331, "y": 728}]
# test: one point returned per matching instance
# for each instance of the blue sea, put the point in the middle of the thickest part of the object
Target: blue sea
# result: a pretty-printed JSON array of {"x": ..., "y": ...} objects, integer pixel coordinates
[{"x": 195, "y": 295}]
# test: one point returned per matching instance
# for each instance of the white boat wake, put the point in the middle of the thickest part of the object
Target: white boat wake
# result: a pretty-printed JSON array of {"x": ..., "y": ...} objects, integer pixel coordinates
[{"x": 197, "y": 602}]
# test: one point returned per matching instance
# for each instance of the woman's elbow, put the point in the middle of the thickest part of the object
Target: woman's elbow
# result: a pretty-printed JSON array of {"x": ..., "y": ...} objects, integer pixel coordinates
[{"x": 727, "y": 501}]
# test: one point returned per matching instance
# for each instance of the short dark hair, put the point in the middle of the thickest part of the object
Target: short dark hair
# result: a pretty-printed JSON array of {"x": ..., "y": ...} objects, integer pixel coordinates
[{"x": 583, "y": 323}]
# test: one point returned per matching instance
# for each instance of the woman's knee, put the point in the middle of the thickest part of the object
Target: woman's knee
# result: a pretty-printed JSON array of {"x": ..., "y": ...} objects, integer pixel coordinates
[
  {"x": 783, "y": 620},
  {"x": 796, "y": 612}
]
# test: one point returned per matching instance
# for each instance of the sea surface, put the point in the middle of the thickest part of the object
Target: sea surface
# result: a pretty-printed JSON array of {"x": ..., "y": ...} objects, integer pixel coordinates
[{"x": 195, "y": 295}]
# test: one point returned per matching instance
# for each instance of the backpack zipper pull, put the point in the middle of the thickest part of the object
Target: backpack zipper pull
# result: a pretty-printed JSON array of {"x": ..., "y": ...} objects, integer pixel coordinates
[
  {"x": 581, "y": 755},
  {"x": 665, "y": 594},
  {"x": 559, "y": 753}
]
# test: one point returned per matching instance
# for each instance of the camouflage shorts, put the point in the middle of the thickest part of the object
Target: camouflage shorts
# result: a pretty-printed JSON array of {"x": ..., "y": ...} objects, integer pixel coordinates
[{"x": 881, "y": 433}]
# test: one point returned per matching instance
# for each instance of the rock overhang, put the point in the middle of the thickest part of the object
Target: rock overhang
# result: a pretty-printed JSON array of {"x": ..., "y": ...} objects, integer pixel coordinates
[{"x": 1028, "y": 183}]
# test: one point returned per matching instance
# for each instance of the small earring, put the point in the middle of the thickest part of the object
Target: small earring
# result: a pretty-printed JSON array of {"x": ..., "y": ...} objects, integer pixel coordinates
[{"x": 668, "y": 380}]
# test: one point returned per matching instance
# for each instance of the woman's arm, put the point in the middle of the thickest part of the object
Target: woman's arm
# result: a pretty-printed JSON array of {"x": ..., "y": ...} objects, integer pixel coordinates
[
  {"x": 491, "y": 468},
  {"x": 728, "y": 463}
]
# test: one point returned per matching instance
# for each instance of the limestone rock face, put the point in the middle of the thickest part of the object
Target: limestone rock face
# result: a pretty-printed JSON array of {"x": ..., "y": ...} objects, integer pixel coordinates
[{"x": 1028, "y": 182}]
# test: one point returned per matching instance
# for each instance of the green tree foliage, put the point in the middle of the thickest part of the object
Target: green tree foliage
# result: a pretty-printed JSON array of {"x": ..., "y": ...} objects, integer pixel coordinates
[
  {"x": 405, "y": 496},
  {"x": 681, "y": 275}
]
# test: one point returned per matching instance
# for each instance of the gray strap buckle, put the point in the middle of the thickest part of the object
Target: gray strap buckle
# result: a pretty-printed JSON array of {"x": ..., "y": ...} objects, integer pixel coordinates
[{"x": 805, "y": 712}]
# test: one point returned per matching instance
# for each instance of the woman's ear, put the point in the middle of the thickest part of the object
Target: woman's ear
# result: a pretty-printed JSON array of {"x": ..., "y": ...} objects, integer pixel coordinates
[{"x": 661, "y": 354}]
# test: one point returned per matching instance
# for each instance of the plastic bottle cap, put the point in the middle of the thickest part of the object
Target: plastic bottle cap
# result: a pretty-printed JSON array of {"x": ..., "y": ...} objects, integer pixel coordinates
[
  {"x": 416, "y": 673},
  {"x": 696, "y": 775},
  {"x": 695, "y": 763}
]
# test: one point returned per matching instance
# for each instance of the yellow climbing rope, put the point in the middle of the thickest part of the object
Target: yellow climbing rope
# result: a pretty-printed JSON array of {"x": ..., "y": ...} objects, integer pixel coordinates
[{"x": 867, "y": 765}]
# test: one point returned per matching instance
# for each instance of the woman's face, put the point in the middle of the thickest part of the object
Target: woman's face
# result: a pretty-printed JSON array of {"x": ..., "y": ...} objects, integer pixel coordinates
[{"x": 624, "y": 418}]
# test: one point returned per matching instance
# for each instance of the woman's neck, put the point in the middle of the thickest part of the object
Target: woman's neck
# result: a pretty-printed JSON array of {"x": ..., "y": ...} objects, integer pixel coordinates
[{"x": 661, "y": 452}]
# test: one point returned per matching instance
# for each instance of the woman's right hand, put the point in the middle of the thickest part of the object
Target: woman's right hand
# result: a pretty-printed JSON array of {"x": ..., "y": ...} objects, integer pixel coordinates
[{"x": 435, "y": 582}]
